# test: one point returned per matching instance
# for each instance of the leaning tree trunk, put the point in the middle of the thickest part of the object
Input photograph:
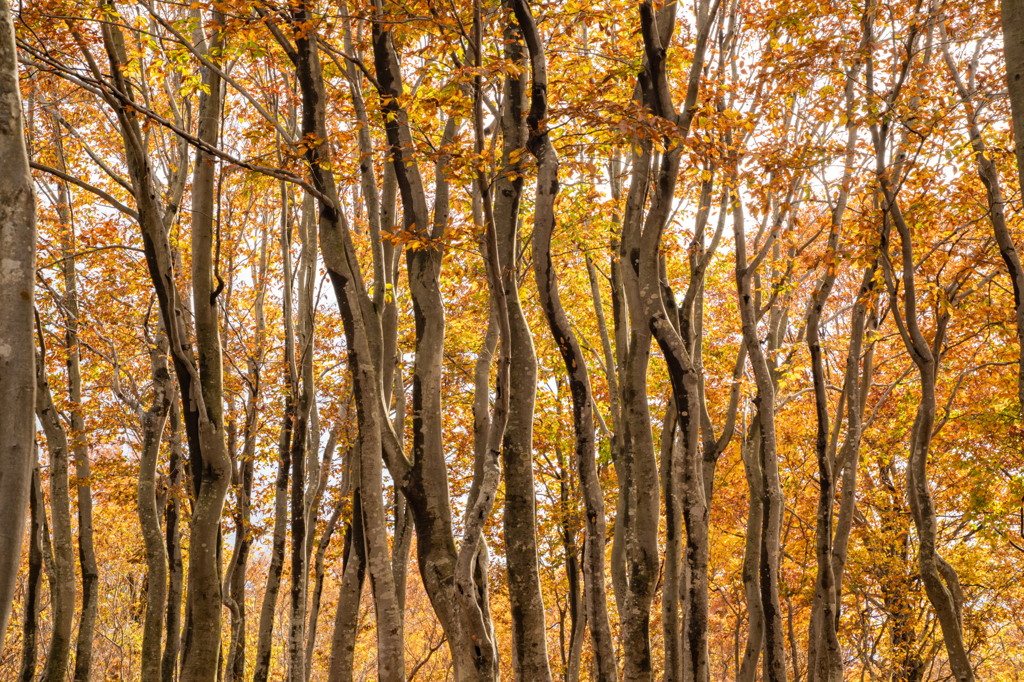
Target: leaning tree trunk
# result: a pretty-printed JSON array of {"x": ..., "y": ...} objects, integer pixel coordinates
[
  {"x": 362, "y": 332},
  {"x": 199, "y": 379}
]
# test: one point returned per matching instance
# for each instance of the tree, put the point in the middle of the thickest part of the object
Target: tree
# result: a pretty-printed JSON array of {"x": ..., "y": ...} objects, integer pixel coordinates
[{"x": 17, "y": 366}]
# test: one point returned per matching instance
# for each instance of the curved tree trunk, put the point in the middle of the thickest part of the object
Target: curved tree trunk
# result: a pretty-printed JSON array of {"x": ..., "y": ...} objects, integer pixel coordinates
[
  {"x": 362, "y": 331},
  {"x": 530, "y": 652},
  {"x": 199, "y": 378},
  {"x": 565, "y": 338},
  {"x": 771, "y": 493},
  {"x": 58, "y": 655}
]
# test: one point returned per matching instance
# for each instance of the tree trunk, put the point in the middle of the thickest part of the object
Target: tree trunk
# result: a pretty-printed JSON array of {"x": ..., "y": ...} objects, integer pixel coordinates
[
  {"x": 172, "y": 533},
  {"x": 264, "y": 638},
  {"x": 153, "y": 421},
  {"x": 824, "y": 655},
  {"x": 520, "y": 516},
  {"x": 202, "y": 656},
  {"x": 751, "y": 454},
  {"x": 199, "y": 379},
  {"x": 362, "y": 331},
  {"x": 771, "y": 497},
  {"x": 1013, "y": 49},
  {"x": 17, "y": 356},
  {"x": 300, "y": 494},
  {"x": 346, "y": 621},
  {"x": 318, "y": 582},
  {"x": 565, "y": 338},
  {"x": 63, "y": 545},
  {"x": 33, "y": 585}
]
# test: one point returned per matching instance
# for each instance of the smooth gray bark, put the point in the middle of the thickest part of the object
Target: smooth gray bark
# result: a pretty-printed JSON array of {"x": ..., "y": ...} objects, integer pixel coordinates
[{"x": 17, "y": 355}]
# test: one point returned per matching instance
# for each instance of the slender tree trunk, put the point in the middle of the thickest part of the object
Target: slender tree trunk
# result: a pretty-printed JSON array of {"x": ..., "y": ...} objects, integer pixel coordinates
[
  {"x": 362, "y": 331},
  {"x": 824, "y": 655},
  {"x": 649, "y": 317},
  {"x": 471, "y": 569},
  {"x": 575, "y": 365},
  {"x": 57, "y": 657},
  {"x": 751, "y": 453},
  {"x": 33, "y": 582},
  {"x": 76, "y": 434},
  {"x": 318, "y": 582},
  {"x": 172, "y": 533},
  {"x": 671, "y": 597},
  {"x": 573, "y": 574},
  {"x": 201, "y": 660},
  {"x": 244, "y": 472},
  {"x": 314, "y": 496},
  {"x": 264, "y": 639},
  {"x": 286, "y": 452},
  {"x": 988, "y": 173},
  {"x": 153, "y": 421},
  {"x": 402, "y": 543},
  {"x": 771, "y": 497},
  {"x": 77, "y": 437},
  {"x": 346, "y": 621},
  {"x": 427, "y": 492},
  {"x": 300, "y": 507},
  {"x": 939, "y": 578},
  {"x": 235, "y": 579},
  {"x": 199, "y": 378},
  {"x": 520, "y": 515}
]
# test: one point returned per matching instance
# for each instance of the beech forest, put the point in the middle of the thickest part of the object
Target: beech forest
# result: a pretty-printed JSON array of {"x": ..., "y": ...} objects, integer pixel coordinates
[{"x": 534, "y": 340}]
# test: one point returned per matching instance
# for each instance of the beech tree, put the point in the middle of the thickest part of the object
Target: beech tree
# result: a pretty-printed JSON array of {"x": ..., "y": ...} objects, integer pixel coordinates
[{"x": 17, "y": 381}]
